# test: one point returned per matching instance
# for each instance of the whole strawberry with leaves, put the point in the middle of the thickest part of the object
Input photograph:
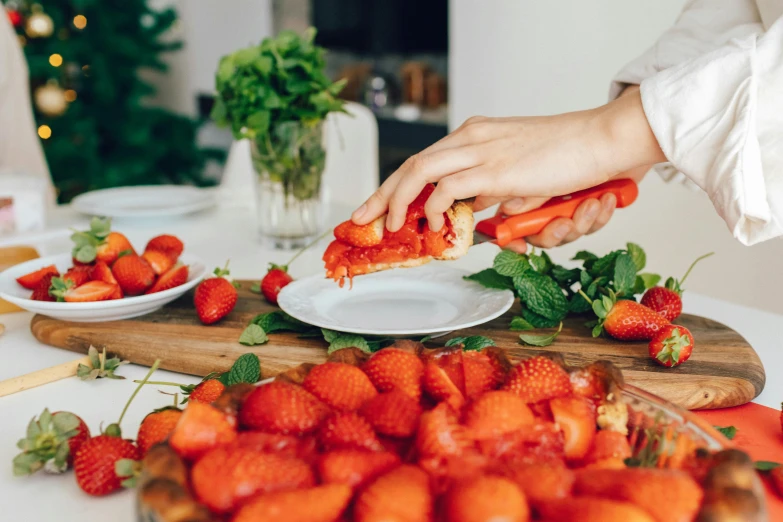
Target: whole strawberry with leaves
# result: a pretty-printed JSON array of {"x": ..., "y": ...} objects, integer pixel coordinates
[
  {"x": 625, "y": 320},
  {"x": 672, "y": 345},
  {"x": 100, "y": 243},
  {"x": 215, "y": 297},
  {"x": 667, "y": 299},
  {"x": 50, "y": 443},
  {"x": 277, "y": 276}
]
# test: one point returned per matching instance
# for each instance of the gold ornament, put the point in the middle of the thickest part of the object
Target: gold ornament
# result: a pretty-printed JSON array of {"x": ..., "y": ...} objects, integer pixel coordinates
[
  {"x": 45, "y": 132},
  {"x": 50, "y": 99},
  {"x": 39, "y": 25}
]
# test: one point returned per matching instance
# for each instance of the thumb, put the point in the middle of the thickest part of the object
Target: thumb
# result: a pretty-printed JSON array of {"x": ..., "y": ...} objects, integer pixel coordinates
[{"x": 520, "y": 205}]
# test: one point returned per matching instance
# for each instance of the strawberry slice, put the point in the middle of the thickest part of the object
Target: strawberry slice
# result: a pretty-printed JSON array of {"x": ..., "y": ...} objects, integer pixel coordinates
[
  {"x": 342, "y": 386},
  {"x": 496, "y": 413},
  {"x": 323, "y": 503},
  {"x": 178, "y": 275},
  {"x": 481, "y": 373},
  {"x": 201, "y": 428},
  {"x": 78, "y": 275},
  {"x": 542, "y": 481},
  {"x": 367, "y": 235},
  {"x": 64, "y": 290},
  {"x": 440, "y": 433},
  {"x": 159, "y": 261},
  {"x": 401, "y": 494},
  {"x": 166, "y": 243},
  {"x": 576, "y": 417},
  {"x": 438, "y": 385},
  {"x": 394, "y": 368},
  {"x": 591, "y": 509},
  {"x": 538, "y": 441},
  {"x": 537, "y": 379},
  {"x": 608, "y": 445},
  {"x": 355, "y": 468},
  {"x": 33, "y": 279},
  {"x": 101, "y": 272},
  {"x": 41, "y": 292},
  {"x": 395, "y": 413},
  {"x": 485, "y": 498},
  {"x": 347, "y": 430}
]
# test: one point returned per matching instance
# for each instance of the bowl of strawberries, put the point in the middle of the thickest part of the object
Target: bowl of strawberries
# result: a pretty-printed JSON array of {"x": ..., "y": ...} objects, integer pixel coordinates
[{"x": 103, "y": 278}]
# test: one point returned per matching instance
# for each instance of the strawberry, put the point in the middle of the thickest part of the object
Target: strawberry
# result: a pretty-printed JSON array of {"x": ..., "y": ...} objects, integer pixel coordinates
[
  {"x": 159, "y": 261},
  {"x": 281, "y": 407},
  {"x": 275, "y": 279},
  {"x": 591, "y": 509},
  {"x": 393, "y": 413},
  {"x": 626, "y": 320},
  {"x": 133, "y": 274},
  {"x": 342, "y": 386},
  {"x": 394, "y": 368},
  {"x": 440, "y": 433},
  {"x": 33, "y": 279},
  {"x": 323, "y": 503},
  {"x": 226, "y": 476},
  {"x": 645, "y": 487},
  {"x": 52, "y": 441},
  {"x": 776, "y": 478},
  {"x": 41, "y": 293},
  {"x": 486, "y": 498},
  {"x": 671, "y": 346},
  {"x": 283, "y": 445},
  {"x": 78, "y": 275},
  {"x": 542, "y": 481},
  {"x": 215, "y": 297},
  {"x": 156, "y": 427},
  {"x": 201, "y": 428},
  {"x": 480, "y": 373},
  {"x": 576, "y": 417},
  {"x": 538, "y": 378},
  {"x": 541, "y": 440},
  {"x": 95, "y": 462},
  {"x": 353, "y": 467},
  {"x": 367, "y": 235},
  {"x": 176, "y": 276},
  {"x": 667, "y": 299},
  {"x": 781, "y": 417},
  {"x": 347, "y": 430},
  {"x": 206, "y": 391},
  {"x": 99, "y": 243},
  {"x": 100, "y": 271},
  {"x": 496, "y": 413},
  {"x": 169, "y": 245},
  {"x": 90, "y": 291},
  {"x": 402, "y": 494},
  {"x": 438, "y": 385},
  {"x": 608, "y": 445},
  {"x": 114, "y": 245}
]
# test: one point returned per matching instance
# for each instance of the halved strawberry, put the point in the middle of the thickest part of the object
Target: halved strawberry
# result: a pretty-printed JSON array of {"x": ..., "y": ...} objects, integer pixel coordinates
[
  {"x": 440, "y": 387},
  {"x": 576, "y": 417},
  {"x": 440, "y": 433},
  {"x": 496, "y": 413},
  {"x": 481, "y": 373},
  {"x": 347, "y": 430},
  {"x": 394, "y": 368},
  {"x": 342, "y": 386},
  {"x": 592, "y": 509},
  {"x": 537, "y": 379},
  {"x": 159, "y": 261},
  {"x": 133, "y": 274},
  {"x": 608, "y": 445},
  {"x": 33, "y": 279},
  {"x": 100, "y": 271},
  {"x": 283, "y": 445},
  {"x": 394, "y": 413},
  {"x": 176, "y": 276},
  {"x": 402, "y": 494},
  {"x": 41, "y": 292},
  {"x": 538, "y": 441},
  {"x": 542, "y": 481},
  {"x": 281, "y": 407},
  {"x": 115, "y": 244},
  {"x": 166, "y": 243},
  {"x": 78, "y": 275},
  {"x": 486, "y": 498},
  {"x": 354, "y": 467},
  {"x": 323, "y": 503},
  {"x": 201, "y": 428},
  {"x": 367, "y": 235},
  {"x": 64, "y": 290}
]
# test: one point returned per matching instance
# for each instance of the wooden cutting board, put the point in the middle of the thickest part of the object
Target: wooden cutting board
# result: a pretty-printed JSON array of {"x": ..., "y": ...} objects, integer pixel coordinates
[{"x": 723, "y": 370}]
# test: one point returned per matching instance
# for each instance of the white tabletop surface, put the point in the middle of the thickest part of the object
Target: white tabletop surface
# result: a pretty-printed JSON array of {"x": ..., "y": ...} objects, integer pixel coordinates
[{"x": 214, "y": 236}]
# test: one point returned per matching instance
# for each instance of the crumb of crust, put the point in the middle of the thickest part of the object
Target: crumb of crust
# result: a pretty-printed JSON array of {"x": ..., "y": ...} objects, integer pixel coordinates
[{"x": 613, "y": 416}]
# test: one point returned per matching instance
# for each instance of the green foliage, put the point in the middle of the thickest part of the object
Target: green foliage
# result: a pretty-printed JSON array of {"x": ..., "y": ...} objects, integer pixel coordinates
[{"x": 472, "y": 343}]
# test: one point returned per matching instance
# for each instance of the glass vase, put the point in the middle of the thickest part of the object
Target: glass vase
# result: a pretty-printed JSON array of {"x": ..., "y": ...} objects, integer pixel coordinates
[{"x": 289, "y": 163}]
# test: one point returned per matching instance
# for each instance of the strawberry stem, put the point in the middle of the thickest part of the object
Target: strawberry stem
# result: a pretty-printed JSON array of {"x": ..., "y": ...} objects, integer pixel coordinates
[
  {"x": 585, "y": 296},
  {"x": 158, "y": 383},
  {"x": 114, "y": 429},
  {"x": 313, "y": 242},
  {"x": 220, "y": 272},
  {"x": 705, "y": 256}
]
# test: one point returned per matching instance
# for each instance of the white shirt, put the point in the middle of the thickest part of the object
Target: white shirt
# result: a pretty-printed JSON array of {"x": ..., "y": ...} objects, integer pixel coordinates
[{"x": 712, "y": 90}]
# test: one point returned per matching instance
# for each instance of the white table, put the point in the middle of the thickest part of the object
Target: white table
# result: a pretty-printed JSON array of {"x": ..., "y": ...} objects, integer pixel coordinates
[{"x": 214, "y": 236}]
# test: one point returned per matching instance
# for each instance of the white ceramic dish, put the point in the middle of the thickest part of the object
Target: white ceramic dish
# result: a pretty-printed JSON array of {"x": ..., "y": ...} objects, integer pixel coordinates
[
  {"x": 144, "y": 201},
  {"x": 426, "y": 300},
  {"x": 100, "y": 311}
]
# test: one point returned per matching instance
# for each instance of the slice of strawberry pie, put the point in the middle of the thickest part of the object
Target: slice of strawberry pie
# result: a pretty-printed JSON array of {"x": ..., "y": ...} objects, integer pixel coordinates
[{"x": 370, "y": 248}]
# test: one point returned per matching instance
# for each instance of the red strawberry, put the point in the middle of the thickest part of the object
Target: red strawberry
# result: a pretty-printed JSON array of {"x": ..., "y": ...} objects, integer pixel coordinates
[
  {"x": 537, "y": 379},
  {"x": 627, "y": 320},
  {"x": 33, "y": 279},
  {"x": 440, "y": 433},
  {"x": 225, "y": 477},
  {"x": 342, "y": 386},
  {"x": 402, "y": 494},
  {"x": 133, "y": 274},
  {"x": 159, "y": 261},
  {"x": 576, "y": 417},
  {"x": 481, "y": 373},
  {"x": 645, "y": 487},
  {"x": 393, "y": 413},
  {"x": 354, "y": 467},
  {"x": 215, "y": 297},
  {"x": 394, "y": 368},
  {"x": 672, "y": 345},
  {"x": 201, "y": 428},
  {"x": 168, "y": 244},
  {"x": 496, "y": 413},
  {"x": 776, "y": 477},
  {"x": 591, "y": 509},
  {"x": 90, "y": 291},
  {"x": 100, "y": 271},
  {"x": 176, "y": 276},
  {"x": 542, "y": 481},
  {"x": 274, "y": 281},
  {"x": 206, "y": 391},
  {"x": 347, "y": 430},
  {"x": 539, "y": 441},
  {"x": 95, "y": 462},
  {"x": 44, "y": 449},
  {"x": 283, "y": 445},
  {"x": 78, "y": 275},
  {"x": 41, "y": 293},
  {"x": 438, "y": 385},
  {"x": 486, "y": 498},
  {"x": 667, "y": 299},
  {"x": 156, "y": 427},
  {"x": 99, "y": 243},
  {"x": 608, "y": 445},
  {"x": 115, "y": 244},
  {"x": 318, "y": 504},
  {"x": 281, "y": 407},
  {"x": 367, "y": 235},
  {"x": 781, "y": 417}
]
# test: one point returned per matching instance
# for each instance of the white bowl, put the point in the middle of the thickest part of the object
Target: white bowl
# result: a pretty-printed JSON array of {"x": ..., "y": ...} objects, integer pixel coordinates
[{"x": 100, "y": 311}]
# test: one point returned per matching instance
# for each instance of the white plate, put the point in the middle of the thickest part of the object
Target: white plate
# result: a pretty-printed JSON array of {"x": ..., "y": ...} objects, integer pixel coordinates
[
  {"x": 144, "y": 201},
  {"x": 114, "y": 310},
  {"x": 429, "y": 299}
]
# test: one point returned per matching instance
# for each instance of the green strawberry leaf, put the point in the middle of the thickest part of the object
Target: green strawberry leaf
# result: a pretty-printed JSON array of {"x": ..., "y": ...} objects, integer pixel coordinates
[
  {"x": 518, "y": 323},
  {"x": 540, "y": 340},
  {"x": 542, "y": 295},
  {"x": 101, "y": 366},
  {"x": 766, "y": 465},
  {"x": 339, "y": 340},
  {"x": 472, "y": 343},
  {"x": 247, "y": 368},
  {"x": 650, "y": 280},
  {"x": 253, "y": 335},
  {"x": 491, "y": 279},
  {"x": 100, "y": 227},
  {"x": 728, "y": 431},
  {"x": 508, "y": 263},
  {"x": 624, "y": 274},
  {"x": 256, "y": 288},
  {"x": 638, "y": 256}
]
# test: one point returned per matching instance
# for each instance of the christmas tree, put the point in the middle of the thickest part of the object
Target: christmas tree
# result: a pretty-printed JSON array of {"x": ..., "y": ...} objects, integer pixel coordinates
[{"x": 85, "y": 58}]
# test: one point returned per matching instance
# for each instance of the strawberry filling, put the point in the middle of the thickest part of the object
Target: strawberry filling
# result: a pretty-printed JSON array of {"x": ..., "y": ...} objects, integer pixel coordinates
[{"x": 414, "y": 240}]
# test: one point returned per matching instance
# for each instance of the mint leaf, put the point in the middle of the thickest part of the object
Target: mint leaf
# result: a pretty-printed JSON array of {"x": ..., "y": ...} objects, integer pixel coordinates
[
  {"x": 253, "y": 335},
  {"x": 578, "y": 304},
  {"x": 276, "y": 321},
  {"x": 491, "y": 279},
  {"x": 510, "y": 263},
  {"x": 565, "y": 277},
  {"x": 536, "y": 320},
  {"x": 637, "y": 255},
  {"x": 518, "y": 323},
  {"x": 472, "y": 343},
  {"x": 541, "y": 263},
  {"x": 339, "y": 340},
  {"x": 584, "y": 255},
  {"x": 247, "y": 368},
  {"x": 728, "y": 431},
  {"x": 650, "y": 280},
  {"x": 585, "y": 279},
  {"x": 542, "y": 295},
  {"x": 766, "y": 465},
  {"x": 597, "y": 283},
  {"x": 624, "y": 274},
  {"x": 603, "y": 266},
  {"x": 540, "y": 340}
]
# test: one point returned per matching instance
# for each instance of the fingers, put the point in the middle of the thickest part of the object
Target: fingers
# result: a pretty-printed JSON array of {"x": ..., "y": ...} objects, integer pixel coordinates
[
  {"x": 584, "y": 217},
  {"x": 520, "y": 205},
  {"x": 553, "y": 234},
  {"x": 457, "y": 186},
  {"x": 377, "y": 204},
  {"x": 518, "y": 245},
  {"x": 608, "y": 205}
]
